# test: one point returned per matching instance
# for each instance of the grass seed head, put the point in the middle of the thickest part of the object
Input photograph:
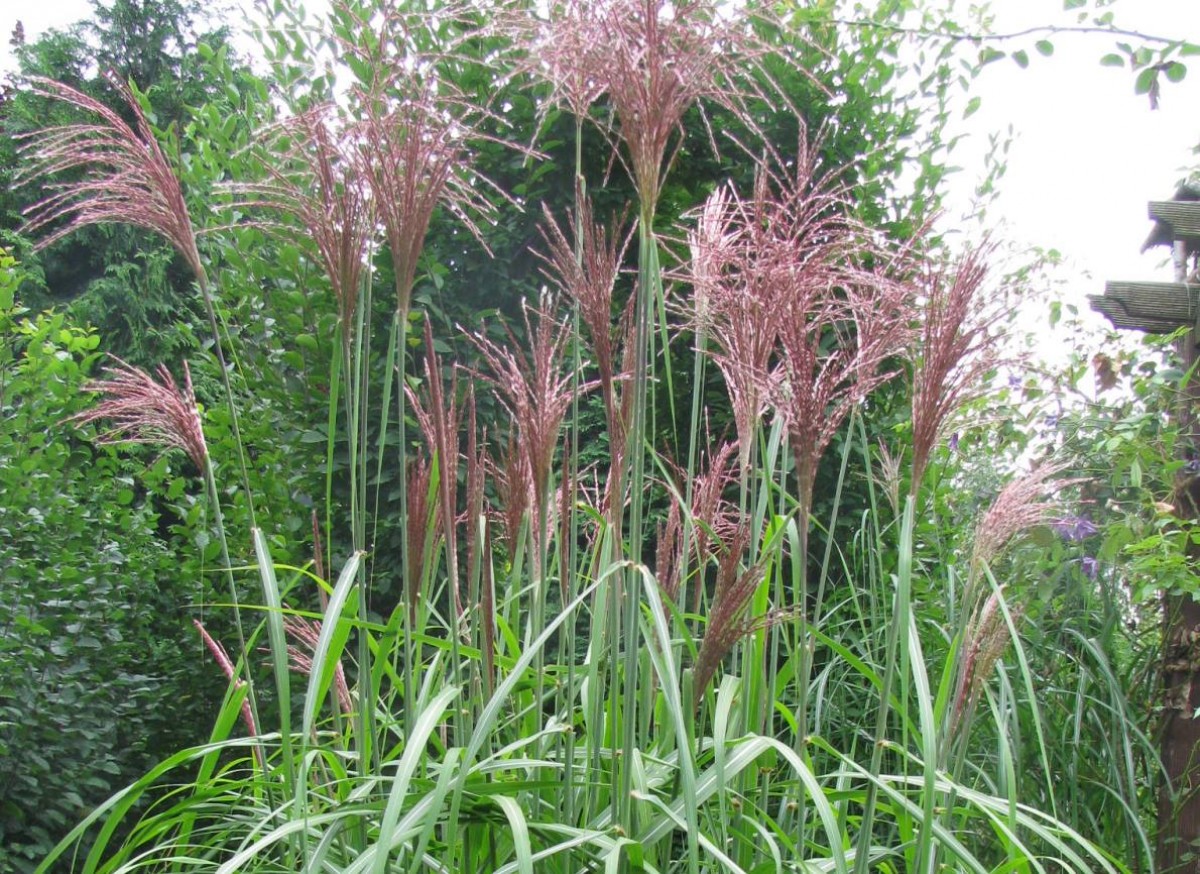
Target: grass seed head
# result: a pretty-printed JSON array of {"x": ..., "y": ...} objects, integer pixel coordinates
[
  {"x": 121, "y": 174},
  {"x": 140, "y": 409}
]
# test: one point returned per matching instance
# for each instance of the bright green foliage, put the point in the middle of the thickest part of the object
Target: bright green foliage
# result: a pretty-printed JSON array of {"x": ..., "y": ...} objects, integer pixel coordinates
[{"x": 96, "y": 674}]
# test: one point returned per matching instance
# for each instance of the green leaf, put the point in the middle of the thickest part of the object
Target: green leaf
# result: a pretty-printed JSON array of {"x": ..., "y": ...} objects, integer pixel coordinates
[
  {"x": 1175, "y": 71},
  {"x": 989, "y": 54},
  {"x": 1045, "y": 47},
  {"x": 1112, "y": 60},
  {"x": 972, "y": 107},
  {"x": 1145, "y": 81},
  {"x": 1021, "y": 57}
]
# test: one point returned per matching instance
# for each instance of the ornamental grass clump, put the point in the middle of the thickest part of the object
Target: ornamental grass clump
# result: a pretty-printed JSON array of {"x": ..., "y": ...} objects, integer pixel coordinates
[{"x": 526, "y": 693}]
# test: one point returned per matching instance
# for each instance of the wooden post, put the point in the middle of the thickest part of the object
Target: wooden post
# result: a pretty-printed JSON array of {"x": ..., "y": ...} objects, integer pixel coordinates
[
  {"x": 1178, "y": 847},
  {"x": 1160, "y": 307}
]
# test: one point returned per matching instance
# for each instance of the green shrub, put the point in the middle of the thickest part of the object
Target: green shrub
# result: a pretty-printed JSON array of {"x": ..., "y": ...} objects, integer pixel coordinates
[{"x": 94, "y": 671}]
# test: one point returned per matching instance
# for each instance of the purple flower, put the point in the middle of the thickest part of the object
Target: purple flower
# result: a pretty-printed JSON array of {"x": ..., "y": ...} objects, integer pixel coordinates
[
  {"x": 954, "y": 442},
  {"x": 1090, "y": 566},
  {"x": 1074, "y": 528}
]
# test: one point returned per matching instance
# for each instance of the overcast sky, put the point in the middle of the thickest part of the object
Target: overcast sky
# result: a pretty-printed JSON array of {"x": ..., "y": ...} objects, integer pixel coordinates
[{"x": 1087, "y": 155}]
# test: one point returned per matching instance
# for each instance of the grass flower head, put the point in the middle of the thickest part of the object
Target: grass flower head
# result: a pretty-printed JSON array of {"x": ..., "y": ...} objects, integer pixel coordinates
[{"x": 140, "y": 409}]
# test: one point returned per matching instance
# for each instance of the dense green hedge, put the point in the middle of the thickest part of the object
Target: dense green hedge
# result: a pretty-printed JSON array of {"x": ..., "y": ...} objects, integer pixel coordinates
[{"x": 100, "y": 672}]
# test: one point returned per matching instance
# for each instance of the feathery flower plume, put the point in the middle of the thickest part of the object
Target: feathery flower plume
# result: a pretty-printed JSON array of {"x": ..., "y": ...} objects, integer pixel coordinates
[
  {"x": 510, "y": 475},
  {"x": 305, "y": 633},
  {"x": 1019, "y": 506},
  {"x": 476, "y": 475},
  {"x": 424, "y": 520},
  {"x": 418, "y": 131},
  {"x": 731, "y": 306},
  {"x": 717, "y": 517},
  {"x": 536, "y": 392},
  {"x": 558, "y": 49},
  {"x": 589, "y": 281},
  {"x": 836, "y": 323},
  {"x": 439, "y": 417},
  {"x": 986, "y": 638},
  {"x": 667, "y": 546},
  {"x": 226, "y": 665},
  {"x": 716, "y": 523},
  {"x": 125, "y": 177},
  {"x": 318, "y": 182},
  {"x": 888, "y": 475},
  {"x": 956, "y": 336},
  {"x": 141, "y": 410},
  {"x": 487, "y": 617},
  {"x": 727, "y": 622},
  {"x": 656, "y": 59}
]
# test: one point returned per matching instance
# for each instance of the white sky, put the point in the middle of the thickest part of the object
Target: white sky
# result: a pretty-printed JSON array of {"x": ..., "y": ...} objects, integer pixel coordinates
[{"x": 1088, "y": 153}]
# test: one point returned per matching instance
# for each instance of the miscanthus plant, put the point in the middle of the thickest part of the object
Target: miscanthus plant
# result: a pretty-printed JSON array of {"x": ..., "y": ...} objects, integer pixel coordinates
[{"x": 640, "y": 664}]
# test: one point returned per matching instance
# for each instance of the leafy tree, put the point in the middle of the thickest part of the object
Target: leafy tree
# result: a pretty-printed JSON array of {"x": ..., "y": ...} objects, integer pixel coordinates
[{"x": 122, "y": 281}]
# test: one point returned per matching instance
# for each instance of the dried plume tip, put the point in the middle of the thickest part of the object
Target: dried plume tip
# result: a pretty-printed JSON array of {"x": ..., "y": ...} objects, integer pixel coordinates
[
  {"x": 1020, "y": 505},
  {"x": 318, "y": 181},
  {"x": 226, "y": 664},
  {"x": 957, "y": 336},
  {"x": 124, "y": 177},
  {"x": 142, "y": 410}
]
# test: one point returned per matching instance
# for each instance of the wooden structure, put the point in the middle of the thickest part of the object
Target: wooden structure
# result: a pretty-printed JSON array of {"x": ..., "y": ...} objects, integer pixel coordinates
[
  {"x": 1162, "y": 308},
  {"x": 1159, "y": 307}
]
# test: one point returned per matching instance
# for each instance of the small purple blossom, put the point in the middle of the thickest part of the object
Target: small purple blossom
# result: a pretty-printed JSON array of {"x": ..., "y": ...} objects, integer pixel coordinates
[
  {"x": 1090, "y": 566},
  {"x": 954, "y": 442},
  {"x": 1074, "y": 528}
]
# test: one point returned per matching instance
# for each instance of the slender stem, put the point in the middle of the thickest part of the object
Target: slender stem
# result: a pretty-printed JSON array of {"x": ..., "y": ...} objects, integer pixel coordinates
[
  {"x": 698, "y": 361},
  {"x": 898, "y": 626},
  {"x": 647, "y": 267},
  {"x": 400, "y": 326},
  {"x": 227, "y": 384},
  {"x": 571, "y": 465},
  {"x": 214, "y": 500}
]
